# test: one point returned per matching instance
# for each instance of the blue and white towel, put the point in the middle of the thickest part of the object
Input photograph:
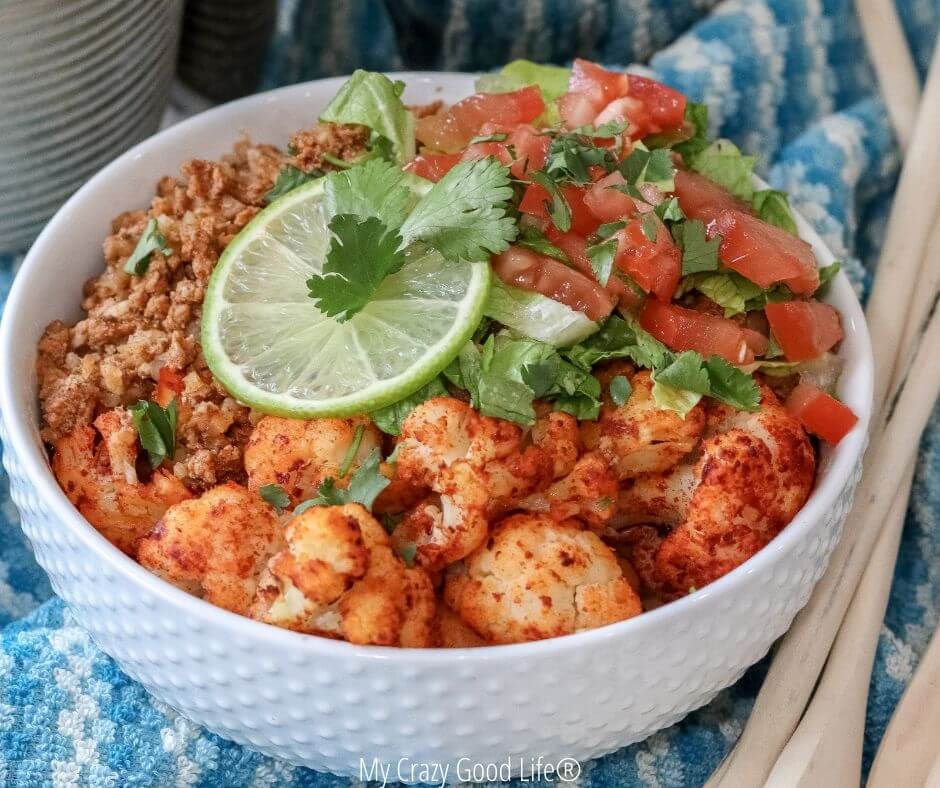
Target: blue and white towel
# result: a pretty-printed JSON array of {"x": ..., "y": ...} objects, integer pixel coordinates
[{"x": 786, "y": 79}]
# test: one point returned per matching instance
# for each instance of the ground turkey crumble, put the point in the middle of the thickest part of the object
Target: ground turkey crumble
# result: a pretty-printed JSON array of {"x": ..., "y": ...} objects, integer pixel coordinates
[{"x": 137, "y": 325}]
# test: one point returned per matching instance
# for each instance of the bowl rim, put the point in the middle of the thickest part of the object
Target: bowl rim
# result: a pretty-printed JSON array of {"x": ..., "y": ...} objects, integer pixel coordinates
[{"x": 23, "y": 441}]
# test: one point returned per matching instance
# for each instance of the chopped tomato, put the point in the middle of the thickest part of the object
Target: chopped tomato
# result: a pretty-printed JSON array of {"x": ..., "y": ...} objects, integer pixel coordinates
[
  {"x": 530, "y": 150},
  {"x": 703, "y": 199},
  {"x": 820, "y": 413},
  {"x": 597, "y": 84},
  {"x": 598, "y": 96},
  {"x": 583, "y": 221},
  {"x": 480, "y": 150},
  {"x": 524, "y": 268},
  {"x": 575, "y": 247},
  {"x": 804, "y": 329},
  {"x": 432, "y": 166},
  {"x": 576, "y": 110},
  {"x": 451, "y": 130},
  {"x": 686, "y": 329},
  {"x": 606, "y": 202},
  {"x": 663, "y": 107},
  {"x": 766, "y": 254},
  {"x": 656, "y": 266}
]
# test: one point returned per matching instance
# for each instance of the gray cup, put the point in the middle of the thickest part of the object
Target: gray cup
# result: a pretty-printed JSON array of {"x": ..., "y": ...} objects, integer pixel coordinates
[{"x": 81, "y": 81}]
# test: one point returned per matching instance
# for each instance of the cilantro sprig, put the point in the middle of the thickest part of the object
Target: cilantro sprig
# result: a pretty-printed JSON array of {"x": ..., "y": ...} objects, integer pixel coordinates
[
  {"x": 150, "y": 241},
  {"x": 156, "y": 428},
  {"x": 375, "y": 220},
  {"x": 364, "y": 487}
]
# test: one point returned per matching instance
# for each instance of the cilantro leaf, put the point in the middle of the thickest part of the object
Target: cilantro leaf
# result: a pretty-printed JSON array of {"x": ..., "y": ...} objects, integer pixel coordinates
[
  {"x": 609, "y": 228},
  {"x": 602, "y": 256},
  {"x": 375, "y": 188},
  {"x": 620, "y": 389},
  {"x": 274, "y": 494},
  {"x": 723, "y": 163},
  {"x": 650, "y": 226},
  {"x": 670, "y": 210},
  {"x": 364, "y": 487},
  {"x": 732, "y": 386},
  {"x": 773, "y": 207},
  {"x": 362, "y": 254},
  {"x": 288, "y": 179},
  {"x": 372, "y": 99},
  {"x": 570, "y": 157},
  {"x": 156, "y": 428},
  {"x": 558, "y": 209},
  {"x": 619, "y": 339},
  {"x": 699, "y": 253},
  {"x": 646, "y": 166},
  {"x": 151, "y": 240},
  {"x": 390, "y": 418},
  {"x": 826, "y": 274},
  {"x": 696, "y": 119},
  {"x": 463, "y": 215},
  {"x": 534, "y": 239}
]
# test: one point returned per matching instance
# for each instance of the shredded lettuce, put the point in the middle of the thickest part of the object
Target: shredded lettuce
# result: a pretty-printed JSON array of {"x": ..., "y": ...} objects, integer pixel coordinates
[
  {"x": 773, "y": 207},
  {"x": 536, "y": 316},
  {"x": 372, "y": 99},
  {"x": 723, "y": 163}
]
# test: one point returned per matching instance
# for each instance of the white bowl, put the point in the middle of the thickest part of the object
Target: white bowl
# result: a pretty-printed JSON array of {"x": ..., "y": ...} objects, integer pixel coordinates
[{"x": 328, "y": 704}]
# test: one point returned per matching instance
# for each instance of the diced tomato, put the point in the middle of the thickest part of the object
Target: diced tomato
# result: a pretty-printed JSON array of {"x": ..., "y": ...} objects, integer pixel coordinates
[
  {"x": 623, "y": 109},
  {"x": 686, "y": 329},
  {"x": 583, "y": 221},
  {"x": 804, "y": 329},
  {"x": 597, "y": 84},
  {"x": 432, "y": 166},
  {"x": 451, "y": 130},
  {"x": 576, "y": 110},
  {"x": 607, "y": 203},
  {"x": 524, "y": 268},
  {"x": 703, "y": 199},
  {"x": 820, "y": 413},
  {"x": 530, "y": 148},
  {"x": 664, "y": 108},
  {"x": 766, "y": 254},
  {"x": 170, "y": 386},
  {"x": 480, "y": 150},
  {"x": 656, "y": 266},
  {"x": 575, "y": 247}
]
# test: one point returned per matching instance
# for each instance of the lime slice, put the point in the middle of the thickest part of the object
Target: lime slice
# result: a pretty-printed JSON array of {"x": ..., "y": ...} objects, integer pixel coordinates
[{"x": 265, "y": 340}]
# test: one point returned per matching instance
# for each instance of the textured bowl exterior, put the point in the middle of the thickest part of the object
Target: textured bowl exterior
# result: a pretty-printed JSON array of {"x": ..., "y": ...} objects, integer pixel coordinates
[{"x": 333, "y": 706}]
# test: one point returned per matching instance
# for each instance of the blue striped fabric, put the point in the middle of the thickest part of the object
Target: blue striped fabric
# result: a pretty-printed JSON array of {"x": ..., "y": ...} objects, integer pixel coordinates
[{"x": 786, "y": 79}]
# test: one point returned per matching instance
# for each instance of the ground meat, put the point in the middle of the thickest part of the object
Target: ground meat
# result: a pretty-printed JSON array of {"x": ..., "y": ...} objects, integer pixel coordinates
[
  {"x": 346, "y": 142},
  {"x": 136, "y": 325}
]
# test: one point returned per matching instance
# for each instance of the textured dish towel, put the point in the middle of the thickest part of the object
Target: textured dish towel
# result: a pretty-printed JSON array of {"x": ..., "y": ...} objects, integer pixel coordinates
[{"x": 788, "y": 80}]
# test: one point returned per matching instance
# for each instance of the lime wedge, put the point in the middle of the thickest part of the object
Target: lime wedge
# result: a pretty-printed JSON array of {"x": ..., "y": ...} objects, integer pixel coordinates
[{"x": 265, "y": 340}]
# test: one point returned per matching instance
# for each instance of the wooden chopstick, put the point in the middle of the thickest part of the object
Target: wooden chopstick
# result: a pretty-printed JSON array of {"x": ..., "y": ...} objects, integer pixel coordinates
[
  {"x": 797, "y": 665},
  {"x": 894, "y": 64},
  {"x": 912, "y": 740}
]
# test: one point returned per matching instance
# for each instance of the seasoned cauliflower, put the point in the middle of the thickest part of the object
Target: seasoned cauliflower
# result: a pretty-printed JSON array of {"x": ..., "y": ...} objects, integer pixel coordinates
[
  {"x": 475, "y": 467},
  {"x": 339, "y": 577},
  {"x": 214, "y": 546},
  {"x": 588, "y": 493},
  {"x": 638, "y": 436},
  {"x": 452, "y": 632},
  {"x": 97, "y": 470},
  {"x": 298, "y": 455},
  {"x": 536, "y": 578},
  {"x": 754, "y": 472}
]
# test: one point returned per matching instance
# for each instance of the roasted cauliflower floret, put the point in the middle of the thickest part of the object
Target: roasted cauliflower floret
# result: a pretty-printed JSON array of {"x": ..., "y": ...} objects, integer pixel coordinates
[
  {"x": 98, "y": 474},
  {"x": 754, "y": 472},
  {"x": 536, "y": 578},
  {"x": 452, "y": 632},
  {"x": 214, "y": 546},
  {"x": 588, "y": 493},
  {"x": 640, "y": 437},
  {"x": 298, "y": 455},
  {"x": 475, "y": 467},
  {"x": 339, "y": 577}
]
